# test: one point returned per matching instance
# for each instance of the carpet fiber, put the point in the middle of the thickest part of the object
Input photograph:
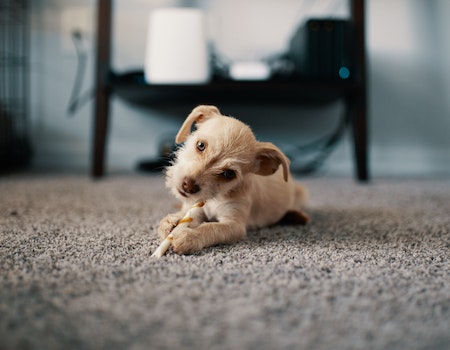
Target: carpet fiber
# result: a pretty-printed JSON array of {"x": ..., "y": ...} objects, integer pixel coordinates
[{"x": 371, "y": 271}]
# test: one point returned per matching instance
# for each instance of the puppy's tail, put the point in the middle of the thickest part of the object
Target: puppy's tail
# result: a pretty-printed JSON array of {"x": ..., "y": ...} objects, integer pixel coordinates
[{"x": 301, "y": 195}]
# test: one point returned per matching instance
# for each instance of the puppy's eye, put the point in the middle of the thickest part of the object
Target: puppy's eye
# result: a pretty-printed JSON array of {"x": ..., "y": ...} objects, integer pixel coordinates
[
  {"x": 201, "y": 146},
  {"x": 228, "y": 174}
]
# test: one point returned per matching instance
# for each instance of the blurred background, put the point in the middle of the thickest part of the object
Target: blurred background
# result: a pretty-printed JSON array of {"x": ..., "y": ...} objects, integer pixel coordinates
[{"x": 408, "y": 52}]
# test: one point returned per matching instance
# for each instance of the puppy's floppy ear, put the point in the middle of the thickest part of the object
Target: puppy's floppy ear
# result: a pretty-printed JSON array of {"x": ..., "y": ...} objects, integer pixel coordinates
[
  {"x": 198, "y": 115},
  {"x": 268, "y": 158}
]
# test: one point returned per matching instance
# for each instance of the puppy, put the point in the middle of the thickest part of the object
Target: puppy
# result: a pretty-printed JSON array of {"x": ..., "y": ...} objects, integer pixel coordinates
[{"x": 244, "y": 183}]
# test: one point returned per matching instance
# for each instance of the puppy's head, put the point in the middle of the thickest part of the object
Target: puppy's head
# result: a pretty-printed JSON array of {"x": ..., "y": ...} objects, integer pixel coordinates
[{"x": 216, "y": 158}]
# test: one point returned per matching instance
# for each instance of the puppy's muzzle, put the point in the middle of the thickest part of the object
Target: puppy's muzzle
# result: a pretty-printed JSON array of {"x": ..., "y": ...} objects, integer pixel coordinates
[{"x": 189, "y": 186}]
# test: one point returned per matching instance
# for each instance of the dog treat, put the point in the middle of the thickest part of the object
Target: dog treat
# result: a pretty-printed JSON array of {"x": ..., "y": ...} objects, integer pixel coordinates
[{"x": 192, "y": 218}]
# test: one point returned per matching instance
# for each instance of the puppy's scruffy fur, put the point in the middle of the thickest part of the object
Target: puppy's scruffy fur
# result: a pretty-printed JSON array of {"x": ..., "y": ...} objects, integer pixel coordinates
[{"x": 245, "y": 183}]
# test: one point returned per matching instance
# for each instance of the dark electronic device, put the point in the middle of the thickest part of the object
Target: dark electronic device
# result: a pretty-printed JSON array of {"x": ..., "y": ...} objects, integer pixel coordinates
[{"x": 322, "y": 49}]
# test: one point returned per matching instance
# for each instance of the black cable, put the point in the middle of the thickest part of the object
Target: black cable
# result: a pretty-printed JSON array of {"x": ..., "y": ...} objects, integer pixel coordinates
[
  {"x": 76, "y": 99},
  {"x": 324, "y": 146}
]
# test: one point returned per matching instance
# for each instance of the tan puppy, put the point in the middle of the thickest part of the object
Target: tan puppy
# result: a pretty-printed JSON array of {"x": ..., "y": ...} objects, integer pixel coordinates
[{"x": 245, "y": 183}]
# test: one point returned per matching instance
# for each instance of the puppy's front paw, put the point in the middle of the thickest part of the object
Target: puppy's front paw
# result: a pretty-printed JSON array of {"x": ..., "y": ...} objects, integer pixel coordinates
[
  {"x": 167, "y": 224},
  {"x": 185, "y": 241}
]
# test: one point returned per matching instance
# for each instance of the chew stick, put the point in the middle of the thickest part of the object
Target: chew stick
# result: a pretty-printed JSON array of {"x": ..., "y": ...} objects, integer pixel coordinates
[{"x": 192, "y": 218}]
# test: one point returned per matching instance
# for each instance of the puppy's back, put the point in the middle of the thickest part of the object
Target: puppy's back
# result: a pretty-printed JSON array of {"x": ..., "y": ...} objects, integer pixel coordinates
[{"x": 272, "y": 197}]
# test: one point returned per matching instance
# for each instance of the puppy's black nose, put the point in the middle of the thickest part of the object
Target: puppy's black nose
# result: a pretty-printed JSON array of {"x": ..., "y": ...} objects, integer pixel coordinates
[{"x": 190, "y": 186}]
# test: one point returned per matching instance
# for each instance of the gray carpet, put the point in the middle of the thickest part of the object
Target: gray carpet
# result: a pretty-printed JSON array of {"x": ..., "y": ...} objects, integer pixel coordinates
[{"x": 370, "y": 272}]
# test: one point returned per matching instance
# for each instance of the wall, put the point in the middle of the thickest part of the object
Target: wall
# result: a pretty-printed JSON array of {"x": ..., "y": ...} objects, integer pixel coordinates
[
  {"x": 409, "y": 56},
  {"x": 409, "y": 91}
]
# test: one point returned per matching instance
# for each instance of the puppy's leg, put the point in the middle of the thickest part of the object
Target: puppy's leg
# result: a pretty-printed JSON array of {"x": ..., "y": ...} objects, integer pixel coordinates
[
  {"x": 294, "y": 217},
  {"x": 189, "y": 240},
  {"x": 297, "y": 216},
  {"x": 168, "y": 223}
]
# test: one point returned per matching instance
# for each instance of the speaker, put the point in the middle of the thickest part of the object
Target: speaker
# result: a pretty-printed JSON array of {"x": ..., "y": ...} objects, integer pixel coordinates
[{"x": 322, "y": 49}]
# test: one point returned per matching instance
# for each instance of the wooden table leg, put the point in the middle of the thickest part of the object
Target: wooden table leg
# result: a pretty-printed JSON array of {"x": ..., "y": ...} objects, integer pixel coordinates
[
  {"x": 359, "y": 99},
  {"x": 102, "y": 91},
  {"x": 360, "y": 137}
]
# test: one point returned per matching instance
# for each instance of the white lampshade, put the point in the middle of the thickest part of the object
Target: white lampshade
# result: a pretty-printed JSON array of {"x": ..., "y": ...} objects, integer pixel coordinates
[{"x": 177, "y": 48}]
